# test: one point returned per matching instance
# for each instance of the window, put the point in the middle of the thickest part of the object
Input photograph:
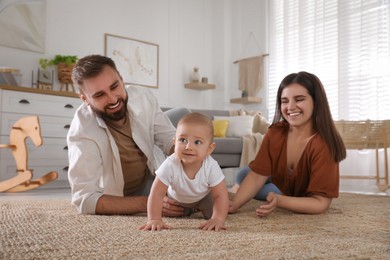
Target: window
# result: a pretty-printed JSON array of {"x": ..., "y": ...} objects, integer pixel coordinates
[{"x": 345, "y": 43}]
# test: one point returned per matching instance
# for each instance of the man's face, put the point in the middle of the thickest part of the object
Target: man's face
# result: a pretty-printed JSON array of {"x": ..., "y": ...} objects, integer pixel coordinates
[{"x": 106, "y": 94}]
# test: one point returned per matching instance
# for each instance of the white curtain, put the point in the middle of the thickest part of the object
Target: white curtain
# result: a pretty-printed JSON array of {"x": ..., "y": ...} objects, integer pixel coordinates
[{"x": 346, "y": 43}]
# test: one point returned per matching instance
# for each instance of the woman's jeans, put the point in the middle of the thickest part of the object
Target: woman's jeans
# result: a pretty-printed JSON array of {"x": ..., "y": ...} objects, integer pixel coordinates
[{"x": 263, "y": 192}]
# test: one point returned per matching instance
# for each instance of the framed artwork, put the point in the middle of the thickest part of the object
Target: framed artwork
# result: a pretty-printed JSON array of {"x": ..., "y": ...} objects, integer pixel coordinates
[
  {"x": 45, "y": 76},
  {"x": 23, "y": 24},
  {"x": 136, "y": 60},
  {"x": 45, "y": 79}
]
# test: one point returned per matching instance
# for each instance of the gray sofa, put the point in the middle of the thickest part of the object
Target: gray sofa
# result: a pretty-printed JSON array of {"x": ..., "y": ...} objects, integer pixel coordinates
[{"x": 228, "y": 150}]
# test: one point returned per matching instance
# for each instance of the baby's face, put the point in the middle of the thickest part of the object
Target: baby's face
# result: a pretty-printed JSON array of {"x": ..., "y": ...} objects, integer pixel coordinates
[{"x": 193, "y": 143}]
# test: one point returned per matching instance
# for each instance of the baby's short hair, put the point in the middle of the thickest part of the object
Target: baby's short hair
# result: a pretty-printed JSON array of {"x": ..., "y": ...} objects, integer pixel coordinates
[{"x": 198, "y": 118}]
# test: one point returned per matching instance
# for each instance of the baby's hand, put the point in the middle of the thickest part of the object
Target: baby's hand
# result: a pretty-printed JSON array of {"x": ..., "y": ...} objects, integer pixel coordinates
[
  {"x": 213, "y": 224},
  {"x": 155, "y": 225}
]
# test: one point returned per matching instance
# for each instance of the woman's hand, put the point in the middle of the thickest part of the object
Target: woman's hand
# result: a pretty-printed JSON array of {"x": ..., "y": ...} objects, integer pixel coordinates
[{"x": 267, "y": 208}]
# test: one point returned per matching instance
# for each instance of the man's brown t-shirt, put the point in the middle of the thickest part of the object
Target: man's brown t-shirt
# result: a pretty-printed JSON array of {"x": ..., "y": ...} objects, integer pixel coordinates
[{"x": 133, "y": 160}]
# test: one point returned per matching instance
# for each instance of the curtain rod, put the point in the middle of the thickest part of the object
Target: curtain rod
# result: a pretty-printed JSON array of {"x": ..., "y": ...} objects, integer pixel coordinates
[{"x": 250, "y": 58}]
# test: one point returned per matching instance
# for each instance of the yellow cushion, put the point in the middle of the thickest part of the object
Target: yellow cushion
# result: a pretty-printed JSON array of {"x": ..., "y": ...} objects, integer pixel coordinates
[{"x": 220, "y": 127}]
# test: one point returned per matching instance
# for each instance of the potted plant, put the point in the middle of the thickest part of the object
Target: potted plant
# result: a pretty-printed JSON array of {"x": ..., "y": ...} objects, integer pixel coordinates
[
  {"x": 64, "y": 65},
  {"x": 68, "y": 60}
]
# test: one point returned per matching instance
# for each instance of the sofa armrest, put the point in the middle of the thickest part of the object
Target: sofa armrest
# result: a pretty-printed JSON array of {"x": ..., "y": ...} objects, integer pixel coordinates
[{"x": 174, "y": 114}]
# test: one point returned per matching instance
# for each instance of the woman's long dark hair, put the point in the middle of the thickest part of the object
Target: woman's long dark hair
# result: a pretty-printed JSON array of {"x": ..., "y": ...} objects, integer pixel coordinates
[{"x": 322, "y": 118}]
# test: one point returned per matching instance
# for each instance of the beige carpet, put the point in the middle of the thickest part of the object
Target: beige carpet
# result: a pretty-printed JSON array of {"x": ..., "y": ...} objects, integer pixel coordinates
[{"x": 356, "y": 227}]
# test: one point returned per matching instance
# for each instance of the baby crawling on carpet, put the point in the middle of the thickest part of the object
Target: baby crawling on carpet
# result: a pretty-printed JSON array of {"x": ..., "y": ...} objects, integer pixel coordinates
[{"x": 191, "y": 177}]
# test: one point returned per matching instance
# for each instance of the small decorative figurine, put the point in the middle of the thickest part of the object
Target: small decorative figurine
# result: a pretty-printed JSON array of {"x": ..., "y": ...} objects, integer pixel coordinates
[{"x": 195, "y": 75}]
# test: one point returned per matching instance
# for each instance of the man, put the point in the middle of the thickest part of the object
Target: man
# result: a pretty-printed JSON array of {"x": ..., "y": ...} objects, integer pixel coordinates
[{"x": 111, "y": 141}]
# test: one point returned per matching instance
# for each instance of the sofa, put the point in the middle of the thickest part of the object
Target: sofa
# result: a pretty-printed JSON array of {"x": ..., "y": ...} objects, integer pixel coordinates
[{"x": 228, "y": 149}]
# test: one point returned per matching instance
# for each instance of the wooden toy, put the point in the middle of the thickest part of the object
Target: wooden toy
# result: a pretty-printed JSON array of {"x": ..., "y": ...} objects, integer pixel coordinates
[{"x": 23, "y": 128}]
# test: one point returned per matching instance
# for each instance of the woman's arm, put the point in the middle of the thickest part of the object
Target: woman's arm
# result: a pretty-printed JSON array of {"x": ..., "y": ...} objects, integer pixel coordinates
[
  {"x": 309, "y": 205},
  {"x": 252, "y": 183}
]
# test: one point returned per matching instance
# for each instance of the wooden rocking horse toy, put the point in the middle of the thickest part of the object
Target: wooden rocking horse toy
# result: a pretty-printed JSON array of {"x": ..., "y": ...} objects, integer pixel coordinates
[{"x": 23, "y": 128}]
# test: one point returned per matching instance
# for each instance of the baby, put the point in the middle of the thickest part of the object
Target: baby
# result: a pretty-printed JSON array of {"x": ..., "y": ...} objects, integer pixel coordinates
[{"x": 191, "y": 177}]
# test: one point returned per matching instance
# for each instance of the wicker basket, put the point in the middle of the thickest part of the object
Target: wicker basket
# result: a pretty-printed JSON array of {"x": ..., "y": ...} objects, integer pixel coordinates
[
  {"x": 368, "y": 134},
  {"x": 65, "y": 73},
  {"x": 65, "y": 76},
  {"x": 364, "y": 134}
]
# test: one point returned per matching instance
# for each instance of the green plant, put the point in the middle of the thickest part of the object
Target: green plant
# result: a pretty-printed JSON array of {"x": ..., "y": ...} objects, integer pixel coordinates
[{"x": 67, "y": 59}]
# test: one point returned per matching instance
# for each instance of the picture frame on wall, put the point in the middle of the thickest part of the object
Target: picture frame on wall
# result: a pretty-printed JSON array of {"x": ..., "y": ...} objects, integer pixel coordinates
[
  {"x": 45, "y": 79},
  {"x": 137, "y": 61}
]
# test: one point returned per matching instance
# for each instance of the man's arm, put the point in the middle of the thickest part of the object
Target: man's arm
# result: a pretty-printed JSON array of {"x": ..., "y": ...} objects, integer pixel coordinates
[
  {"x": 164, "y": 131},
  {"x": 115, "y": 205}
]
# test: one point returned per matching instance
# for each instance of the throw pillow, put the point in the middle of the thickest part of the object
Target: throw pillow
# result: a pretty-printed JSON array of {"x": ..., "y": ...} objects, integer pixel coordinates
[
  {"x": 260, "y": 124},
  {"x": 220, "y": 127},
  {"x": 238, "y": 125}
]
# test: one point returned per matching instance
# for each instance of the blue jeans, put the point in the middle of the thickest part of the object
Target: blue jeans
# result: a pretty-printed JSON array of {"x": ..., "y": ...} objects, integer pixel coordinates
[{"x": 263, "y": 192}]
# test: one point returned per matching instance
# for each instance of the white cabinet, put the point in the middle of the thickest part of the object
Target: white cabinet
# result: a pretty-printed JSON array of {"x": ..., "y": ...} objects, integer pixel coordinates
[{"x": 55, "y": 115}]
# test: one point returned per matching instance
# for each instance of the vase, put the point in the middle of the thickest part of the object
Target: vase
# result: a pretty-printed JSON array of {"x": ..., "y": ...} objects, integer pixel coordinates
[
  {"x": 195, "y": 77},
  {"x": 65, "y": 76},
  {"x": 244, "y": 93}
]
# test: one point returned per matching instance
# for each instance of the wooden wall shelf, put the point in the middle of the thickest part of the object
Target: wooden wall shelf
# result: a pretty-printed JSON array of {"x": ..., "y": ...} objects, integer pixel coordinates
[
  {"x": 199, "y": 86},
  {"x": 39, "y": 91},
  {"x": 246, "y": 100}
]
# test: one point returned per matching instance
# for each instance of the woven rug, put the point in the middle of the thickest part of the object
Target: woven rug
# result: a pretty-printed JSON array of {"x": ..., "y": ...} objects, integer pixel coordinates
[{"x": 355, "y": 227}]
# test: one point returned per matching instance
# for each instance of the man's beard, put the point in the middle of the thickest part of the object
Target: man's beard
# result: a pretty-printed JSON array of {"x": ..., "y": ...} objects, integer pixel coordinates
[{"x": 119, "y": 115}]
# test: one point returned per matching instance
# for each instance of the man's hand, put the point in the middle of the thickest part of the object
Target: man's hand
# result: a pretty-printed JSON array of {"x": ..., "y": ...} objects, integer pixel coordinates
[
  {"x": 213, "y": 224},
  {"x": 171, "y": 208},
  {"x": 267, "y": 208},
  {"x": 154, "y": 225}
]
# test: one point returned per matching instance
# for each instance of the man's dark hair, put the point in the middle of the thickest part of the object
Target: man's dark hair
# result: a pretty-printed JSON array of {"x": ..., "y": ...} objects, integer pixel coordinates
[{"x": 89, "y": 67}]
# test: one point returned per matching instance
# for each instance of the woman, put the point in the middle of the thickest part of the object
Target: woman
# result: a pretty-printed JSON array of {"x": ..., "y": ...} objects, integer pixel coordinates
[{"x": 300, "y": 152}]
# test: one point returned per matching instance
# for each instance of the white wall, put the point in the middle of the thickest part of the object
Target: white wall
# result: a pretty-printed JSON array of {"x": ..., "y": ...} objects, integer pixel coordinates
[{"x": 210, "y": 34}]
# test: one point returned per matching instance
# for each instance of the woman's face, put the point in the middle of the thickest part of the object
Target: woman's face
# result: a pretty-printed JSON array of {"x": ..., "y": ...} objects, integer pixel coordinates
[{"x": 296, "y": 105}]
